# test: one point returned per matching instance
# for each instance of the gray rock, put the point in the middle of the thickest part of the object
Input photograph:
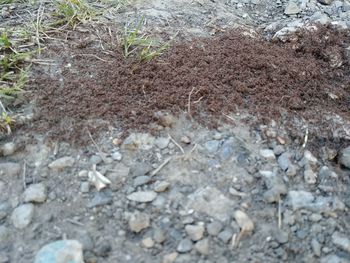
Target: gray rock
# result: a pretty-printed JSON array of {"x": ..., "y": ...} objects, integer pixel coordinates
[
  {"x": 212, "y": 146},
  {"x": 103, "y": 248},
  {"x": 292, "y": 8},
  {"x": 36, "y": 193},
  {"x": 310, "y": 176},
  {"x": 60, "y": 251},
  {"x": 281, "y": 236},
  {"x": 117, "y": 156},
  {"x": 8, "y": 148},
  {"x": 345, "y": 157},
  {"x": 325, "y": 2},
  {"x": 95, "y": 159},
  {"x": 62, "y": 163},
  {"x": 22, "y": 216},
  {"x": 341, "y": 241},
  {"x": 10, "y": 169},
  {"x": 212, "y": 202},
  {"x": 143, "y": 141},
  {"x": 139, "y": 221},
  {"x": 333, "y": 259},
  {"x": 141, "y": 180},
  {"x": 226, "y": 235},
  {"x": 284, "y": 161},
  {"x": 85, "y": 187},
  {"x": 316, "y": 247},
  {"x": 227, "y": 149},
  {"x": 162, "y": 142},
  {"x": 195, "y": 232},
  {"x": 184, "y": 246},
  {"x": 161, "y": 186},
  {"x": 300, "y": 199},
  {"x": 267, "y": 154},
  {"x": 278, "y": 150},
  {"x": 4, "y": 234},
  {"x": 101, "y": 198},
  {"x": 275, "y": 185},
  {"x": 5, "y": 208},
  {"x": 159, "y": 235},
  {"x": 142, "y": 196},
  {"x": 202, "y": 246},
  {"x": 214, "y": 228}
]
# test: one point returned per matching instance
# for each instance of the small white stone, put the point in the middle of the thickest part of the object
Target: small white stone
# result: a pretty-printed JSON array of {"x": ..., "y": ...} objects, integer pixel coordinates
[
  {"x": 268, "y": 154},
  {"x": 36, "y": 193},
  {"x": 62, "y": 163},
  {"x": 148, "y": 242}
]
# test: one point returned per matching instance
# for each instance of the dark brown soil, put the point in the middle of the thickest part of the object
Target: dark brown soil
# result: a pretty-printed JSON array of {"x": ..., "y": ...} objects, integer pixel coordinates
[{"x": 225, "y": 74}]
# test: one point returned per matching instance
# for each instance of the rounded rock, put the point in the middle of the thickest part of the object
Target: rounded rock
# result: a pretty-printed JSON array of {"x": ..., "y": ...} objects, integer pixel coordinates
[{"x": 22, "y": 215}]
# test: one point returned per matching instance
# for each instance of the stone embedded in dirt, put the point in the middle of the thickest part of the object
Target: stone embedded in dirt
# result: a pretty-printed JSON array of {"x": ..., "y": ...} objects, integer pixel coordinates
[
  {"x": 292, "y": 8},
  {"x": 214, "y": 228},
  {"x": 22, "y": 215},
  {"x": 85, "y": 187},
  {"x": 148, "y": 242},
  {"x": 345, "y": 157},
  {"x": 5, "y": 234},
  {"x": 275, "y": 185},
  {"x": 161, "y": 186},
  {"x": 170, "y": 258},
  {"x": 284, "y": 161},
  {"x": 62, "y": 163},
  {"x": 141, "y": 180},
  {"x": 184, "y": 246},
  {"x": 159, "y": 235},
  {"x": 333, "y": 258},
  {"x": 310, "y": 176},
  {"x": 212, "y": 146},
  {"x": 10, "y": 169},
  {"x": 142, "y": 196},
  {"x": 278, "y": 150},
  {"x": 8, "y": 148},
  {"x": 62, "y": 251},
  {"x": 117, "y": 156},
  {"x": 300, "y": 199},
  {"x": 281, "y": 236},
  {"x": 212, "y": 202},
  {"x": 142, "y": 141},
  {"x": 195, "y": 232},
  {"x": 341, "y": 241},
  {"x": 268, "y": 154},
  {"x": 103, "y": 248},
  {"x": 226, "y": 235},
  {"x": 139, "y": 221},
  {"x": 36, "y": 193},
  {"x": 310, "y": 158},
  {"x": 244, "y": 222},
  {"x": 101, "y": 198},
  {"x": 185, "y": 139},
  {"x": 202, "y": 246},
  {"x": 316, "y": 247},
  {"x": 227, "y": 149},
  {"x": 162, "y": 142}
]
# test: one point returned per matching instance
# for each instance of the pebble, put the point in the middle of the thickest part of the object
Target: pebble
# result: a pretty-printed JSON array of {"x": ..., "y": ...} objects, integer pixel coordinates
[
  {"x": 161, "y": 186},
  {"x": 142, "y": 196},
  {"x": 85, "y": 187},
  {"x": 162, "y": 142},
  {"x": 22, "y": 215},
  {"x": 184, "y": 246},
  {"x": 278, "y": 150},
  {"x": 300, "y": 199},
  {"x": 267, "y": 154},
  {"x": 62, "y": 251},
  {"x": 244, "y": 222},
  {"x": 36, "y": 193},
  {"x": 8, "y": 149},
  {"x": 292, "y": 8},
  {"x": 284, "y": 161},
  {"x": 214, "y": 228},
  {"x": 101, "y": 198},
  {"x": 225, "y": 235},
  {"x": 62, "y": 163},
  {"x": 212, "y": 146},
  {"x": 159, "y": 235},
  {"x": 316, "y": 247},
  {"x": 141, "y": 180},
  {"x": 10, "y": 169},
  {"x": 139, "y": 221},
  {"x": 103, "y": 248},
  {"x": 310, "y": 176},
  {"x": 148, "y": 242},
  {"x": 170, "y": 258},
  {"x": 117, "y": 156},
  {"x": 202, "y": 246},
  {"x": 345, "y": 157},
  {"x": 195, "y": 232},
  {"x": 341, "y": 241},
  {"x": 281, "y": 236}
]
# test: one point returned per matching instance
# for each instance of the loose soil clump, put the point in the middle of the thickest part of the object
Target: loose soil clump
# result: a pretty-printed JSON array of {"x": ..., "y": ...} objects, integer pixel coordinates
[{"x": 307, "y": 76}]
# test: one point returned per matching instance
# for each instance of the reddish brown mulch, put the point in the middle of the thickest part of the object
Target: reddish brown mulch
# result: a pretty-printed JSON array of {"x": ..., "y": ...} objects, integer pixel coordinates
[{"x": 225, "y": 73}]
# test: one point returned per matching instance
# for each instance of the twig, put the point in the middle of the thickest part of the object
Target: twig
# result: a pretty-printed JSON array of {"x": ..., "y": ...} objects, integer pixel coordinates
[
  {"x": 24, "y": 175},
  {"x": 189, "y": 102},
  {"x": 306, "y": 137},
  {"x": 178, "y": 145},
  {"x": 74, "y": 222},
  {"x": 92, "y": 55},
  {"x": 98, "y": 148},
  {"x": 160, "y": 167},
  {"x": 38, "y": 21}
]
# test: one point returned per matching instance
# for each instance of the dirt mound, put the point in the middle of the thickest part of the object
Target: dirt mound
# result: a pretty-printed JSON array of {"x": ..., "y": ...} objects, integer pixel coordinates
[{"x": 307, "y": 76}]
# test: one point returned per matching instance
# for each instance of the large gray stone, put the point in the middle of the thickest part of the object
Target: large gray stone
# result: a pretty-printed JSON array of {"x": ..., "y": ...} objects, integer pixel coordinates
[
  {"x": 62, "y": 251},
  {"x": 345, "y": 157},
  {"x": 36, "y": 193},
  {"x": 22, "y": 215}
]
